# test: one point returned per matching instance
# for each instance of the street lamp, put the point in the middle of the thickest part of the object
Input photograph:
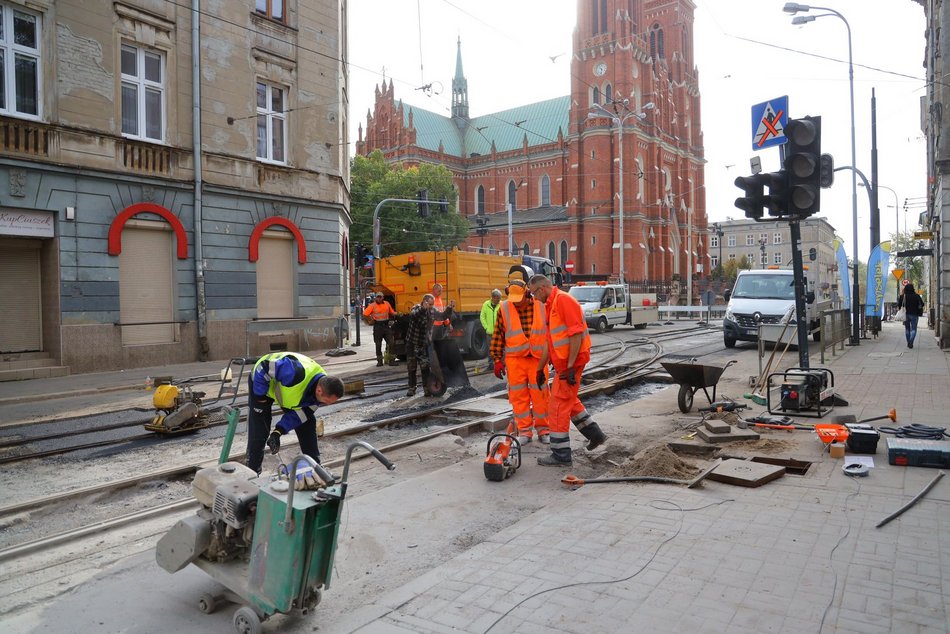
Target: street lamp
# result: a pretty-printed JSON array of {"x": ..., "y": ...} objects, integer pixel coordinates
[
  {"x": 897, "y": 224},
  {"x": 793, "y": 8},
  {"x": 762, "y": 242},
  {"x": 716, "y": 230},
  {"x": 619, "y": 119}
]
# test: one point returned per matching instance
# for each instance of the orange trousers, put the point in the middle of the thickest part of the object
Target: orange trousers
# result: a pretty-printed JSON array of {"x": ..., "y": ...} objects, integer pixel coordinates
[
  {"x": 529, "y": 405},
  {"x": 565, "y": 405}
]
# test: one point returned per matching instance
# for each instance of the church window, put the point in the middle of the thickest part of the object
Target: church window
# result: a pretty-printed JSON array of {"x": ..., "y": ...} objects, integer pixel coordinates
[
  {"x": 525, "y": 249},
  {"x": 656, "y": 42},
  {"x": 608, "y": 94},
  {"x": 598, "y": 15},
  {"x": 480, "y": 199},
  {"x": 563, "y": 251},
  {"x": 551, "y": 251},
  {"x": 593, "y": 241},
  {"x": 545, "y": 191},
  {"x": 512, "y": 195},
  {"x": 595, "y": 95}
]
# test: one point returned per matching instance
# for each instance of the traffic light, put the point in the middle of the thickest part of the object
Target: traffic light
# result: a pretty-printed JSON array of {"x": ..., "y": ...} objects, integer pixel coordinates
[
  {"x": 363, "y": 256},
  {"x": 423, "y": 205},
  {"x": 754, "y": 200},
  {"x": 826, "y": 170},
  {"x": 776, "y": 202},
  {"x": 803, "y": 165},
  {"x": 443, "y": 205}
]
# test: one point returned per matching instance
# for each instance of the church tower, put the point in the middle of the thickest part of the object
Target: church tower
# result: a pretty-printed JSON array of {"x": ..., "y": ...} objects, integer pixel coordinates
[{"x": 459, "y": 91}]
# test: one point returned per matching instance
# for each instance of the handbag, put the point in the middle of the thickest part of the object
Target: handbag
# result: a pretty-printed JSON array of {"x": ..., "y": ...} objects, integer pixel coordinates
[{"x": 900, "y": 315}]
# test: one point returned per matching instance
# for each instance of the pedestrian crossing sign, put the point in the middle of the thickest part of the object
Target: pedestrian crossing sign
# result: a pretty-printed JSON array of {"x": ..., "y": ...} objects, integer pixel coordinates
[{"x": 768, "y": 123}]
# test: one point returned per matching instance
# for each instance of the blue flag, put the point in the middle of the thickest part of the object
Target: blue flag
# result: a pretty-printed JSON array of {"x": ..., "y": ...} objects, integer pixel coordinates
[
  {"x": 842, "y": 259},
  {"x": 878, "y": 265}
]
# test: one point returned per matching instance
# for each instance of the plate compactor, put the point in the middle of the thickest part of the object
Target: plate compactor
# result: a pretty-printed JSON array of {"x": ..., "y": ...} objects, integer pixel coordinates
[{"x": 268, "y": 543}]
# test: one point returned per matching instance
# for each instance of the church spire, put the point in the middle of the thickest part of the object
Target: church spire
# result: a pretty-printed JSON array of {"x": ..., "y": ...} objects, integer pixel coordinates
[{"x": 459, "y": 88}]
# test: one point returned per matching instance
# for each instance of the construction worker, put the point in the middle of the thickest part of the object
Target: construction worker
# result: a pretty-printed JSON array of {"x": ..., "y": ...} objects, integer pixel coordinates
[
  {"x": 379, "y": 313},
  {"x": 440, "y": 327},
  {"x": 487, "y": 317},
  {"x": 517, "y": 347},
  {"x": 569, "y": 351},
  {"x": 298, "y": 384},
  {"x": 419, "y": 338}
]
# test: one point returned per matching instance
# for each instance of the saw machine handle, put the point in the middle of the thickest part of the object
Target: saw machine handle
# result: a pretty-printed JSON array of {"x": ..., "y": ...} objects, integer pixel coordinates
[{"x": 370, "y": 448}]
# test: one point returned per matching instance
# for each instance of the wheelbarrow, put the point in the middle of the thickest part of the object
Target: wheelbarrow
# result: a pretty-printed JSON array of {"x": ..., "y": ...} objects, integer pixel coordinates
[{"x": 693, "y": 377}]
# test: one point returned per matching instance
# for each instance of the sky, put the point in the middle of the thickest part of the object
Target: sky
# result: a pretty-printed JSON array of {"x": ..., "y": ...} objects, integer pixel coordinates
[{"x": 746, "y": 51}]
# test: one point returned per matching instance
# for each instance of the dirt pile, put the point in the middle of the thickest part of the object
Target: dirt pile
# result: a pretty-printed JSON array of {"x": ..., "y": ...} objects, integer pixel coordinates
[{"x": 659, "y": 462}]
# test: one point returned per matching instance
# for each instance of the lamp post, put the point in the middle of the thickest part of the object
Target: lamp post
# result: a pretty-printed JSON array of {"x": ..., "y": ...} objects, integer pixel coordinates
[
  {"x": 619, "y": 118},
  {"x": 897, "y": 222},
  {"x": 793, "y": 8}
]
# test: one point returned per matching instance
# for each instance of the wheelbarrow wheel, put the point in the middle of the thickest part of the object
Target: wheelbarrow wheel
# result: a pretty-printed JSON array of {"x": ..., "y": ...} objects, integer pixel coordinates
[
  {"x": 207, "y": 603},
  {"x": 685, "y": 399},
  {"x": 246, "y": 621}
]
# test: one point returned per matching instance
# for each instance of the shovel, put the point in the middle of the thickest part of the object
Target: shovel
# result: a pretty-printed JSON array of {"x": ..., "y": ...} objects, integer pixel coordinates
[{"x": 571, "y": 480}]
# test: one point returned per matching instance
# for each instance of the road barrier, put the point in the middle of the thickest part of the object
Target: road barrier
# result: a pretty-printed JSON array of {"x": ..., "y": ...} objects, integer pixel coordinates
[{"x": 835, "y": 328}]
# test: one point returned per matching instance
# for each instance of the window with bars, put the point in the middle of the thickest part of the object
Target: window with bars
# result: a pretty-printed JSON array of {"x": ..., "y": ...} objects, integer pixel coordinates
[
  {"x": 271, "y": 123},
  {"x": 273, "y": 9},
  {"x": 20, "y": 65},
  {"x": 143, "y": 93}
]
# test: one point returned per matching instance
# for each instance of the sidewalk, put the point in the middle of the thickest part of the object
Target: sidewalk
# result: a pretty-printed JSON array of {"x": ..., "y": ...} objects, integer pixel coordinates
[{"x": 799, "y": 554}]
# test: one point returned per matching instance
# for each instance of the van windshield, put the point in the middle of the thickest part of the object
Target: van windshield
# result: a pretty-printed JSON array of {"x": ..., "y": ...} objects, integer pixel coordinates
[
  {"x": 587, "y": 293},
  {"x": 765, "y": 286}
]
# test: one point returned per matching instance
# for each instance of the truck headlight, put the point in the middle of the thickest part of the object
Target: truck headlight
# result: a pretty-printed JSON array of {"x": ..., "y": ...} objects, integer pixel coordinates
[
  {"x": 728, "y": 314},
  {"x": 588, "y": 312}
]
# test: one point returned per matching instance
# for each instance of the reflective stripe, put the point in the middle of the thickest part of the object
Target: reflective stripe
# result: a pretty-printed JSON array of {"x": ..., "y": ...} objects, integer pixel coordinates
[
  {"x": 518, "y": 386},
  {"x": 558, "y": 330},
  {"x": 559, "y": 336},
  {"x": 540, "y": 415},
  {"x": 517, "y": 344},
  {"x": 302, "y": 415},
  {"x": 518, "y": 415}
]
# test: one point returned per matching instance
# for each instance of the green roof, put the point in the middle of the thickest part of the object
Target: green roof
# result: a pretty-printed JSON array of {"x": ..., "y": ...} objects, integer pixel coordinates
[{"x": 540, "y": 122}]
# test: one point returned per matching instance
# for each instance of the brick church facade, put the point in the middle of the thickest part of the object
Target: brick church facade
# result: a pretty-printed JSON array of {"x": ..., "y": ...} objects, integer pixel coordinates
[{"x": 558, "y": 166}]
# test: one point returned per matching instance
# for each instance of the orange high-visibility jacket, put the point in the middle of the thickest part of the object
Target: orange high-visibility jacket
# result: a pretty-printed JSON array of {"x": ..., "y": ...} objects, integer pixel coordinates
[
  {"x": 439, "y": 306},
  {"x": 517, "y": 344},
  {"x": 379, "y": 311},
  {"x": 561, "y": 305}
]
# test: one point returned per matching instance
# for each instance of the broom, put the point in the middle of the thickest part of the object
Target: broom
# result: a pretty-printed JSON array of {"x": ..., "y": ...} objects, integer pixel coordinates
[{"x": 754, "y": 396}]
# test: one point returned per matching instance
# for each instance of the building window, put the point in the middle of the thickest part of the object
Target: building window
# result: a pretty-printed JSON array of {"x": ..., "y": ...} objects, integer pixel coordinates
[
  {"x": 732, "y": 256},
  {"x": 593, "y": 241},
  {"x": 731, "y": 241},
  {"x": 480, "y": 199},
  {"x": 749, "y": 240},
  {"x": 608, "y": 94},
  {"x": 776, "y": 238},
  {"x": 764, "y": 259},
  {"x": 593, "y": 269},
  {"x": 271, "y": 123},
  {"x": 563, "y": 252},
  {"x": 19, "y": 62},
  {"x": 593, "y": 183},
  {"x": 273, "y": 9},
  {"x": 715, "y": 261},
  {"x": 513, "y": 195},
  {"x": 595, "y": 96},
  {"x": 525, "y": 249},
  {"x": 545, "y": 191},
  {"x": 714, "y": 241},
  {"x": 143, "y": 93},
  {"x": 491, "y": 249},
  {"x": 763, "y": 238},
  {"x": 552, "y": 252},
  {"x": 778, "y": 258}
]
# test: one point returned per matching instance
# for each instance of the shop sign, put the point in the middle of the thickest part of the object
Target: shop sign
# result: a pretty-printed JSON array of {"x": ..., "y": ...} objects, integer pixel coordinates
[{"x": 33, "y": 224}]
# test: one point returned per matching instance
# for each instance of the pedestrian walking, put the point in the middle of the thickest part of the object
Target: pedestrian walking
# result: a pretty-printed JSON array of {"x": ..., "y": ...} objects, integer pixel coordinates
[
  {"x": 568, "y": 348},
  {"x": 298, "y": 385},
  {"x": 419, "y": 338},
  {"x": 517, "y": 348},
  {"x": 380, "y": 313},
  {"x": 913, "y": 305},
  {"x": 487, "y": 318}
]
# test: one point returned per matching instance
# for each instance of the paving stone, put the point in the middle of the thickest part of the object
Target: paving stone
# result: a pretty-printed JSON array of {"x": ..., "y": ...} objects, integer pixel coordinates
[
  {"x": 717, "y": 426},
  {"x": 734, "y": 435}
]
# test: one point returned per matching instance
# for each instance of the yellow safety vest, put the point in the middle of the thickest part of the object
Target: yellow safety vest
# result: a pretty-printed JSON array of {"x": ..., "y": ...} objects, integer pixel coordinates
[{"x": 289, "y": 397}]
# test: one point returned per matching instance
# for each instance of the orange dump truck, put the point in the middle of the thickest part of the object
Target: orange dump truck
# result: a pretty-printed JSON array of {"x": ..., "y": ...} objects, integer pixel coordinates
[{"x": 466, "y": 277}]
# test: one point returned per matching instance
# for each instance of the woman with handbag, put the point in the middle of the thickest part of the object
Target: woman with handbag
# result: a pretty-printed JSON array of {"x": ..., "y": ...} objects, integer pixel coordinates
[{"x": 913, "y": 306}]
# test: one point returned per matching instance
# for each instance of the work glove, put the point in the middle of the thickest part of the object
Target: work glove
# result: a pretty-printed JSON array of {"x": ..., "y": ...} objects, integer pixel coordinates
[
  {"x": 541, "y": 379},
  {"x": 499, "y": 369},
  {"x": 568, "y": 375},
  {"x": 273, "y": 442}
]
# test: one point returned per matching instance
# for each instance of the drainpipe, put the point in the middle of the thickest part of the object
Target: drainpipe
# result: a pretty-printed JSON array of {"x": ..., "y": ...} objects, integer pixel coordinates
[{"x": 196, "y": 152}]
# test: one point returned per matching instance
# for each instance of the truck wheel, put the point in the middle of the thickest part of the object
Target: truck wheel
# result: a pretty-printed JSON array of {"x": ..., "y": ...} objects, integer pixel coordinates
[
  {"x": 729, "y": 341},
  {"x": 601, "y": 326},
  {"x": 480, "y": 343}
]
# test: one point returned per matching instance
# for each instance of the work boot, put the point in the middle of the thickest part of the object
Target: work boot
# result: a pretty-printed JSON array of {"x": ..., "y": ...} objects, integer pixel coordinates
[
  {"x": 553, "y": 461},
  {"x": 379, "y": 362},
  {"x": 594, "y": 435},
  {"x": 412, "y": 391}
]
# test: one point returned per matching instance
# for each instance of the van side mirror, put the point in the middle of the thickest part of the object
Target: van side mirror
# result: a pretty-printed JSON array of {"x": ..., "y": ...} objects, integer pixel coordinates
[
  {"x": 810, "y": 297},
  {"x": 726, "y": 294}
]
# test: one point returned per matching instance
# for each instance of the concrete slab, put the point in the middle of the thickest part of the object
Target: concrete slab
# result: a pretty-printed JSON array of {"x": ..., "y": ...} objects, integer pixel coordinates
[
  {"x": 734, "y": 435},
  {"x": 745, "y": 473},
  {"x": 717, "y": 426}
]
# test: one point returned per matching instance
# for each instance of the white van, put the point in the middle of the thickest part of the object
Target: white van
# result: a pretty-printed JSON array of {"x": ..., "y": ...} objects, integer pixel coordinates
[
  {"x": 607, "y": 305},
  {"x": 763, "y": 297}
]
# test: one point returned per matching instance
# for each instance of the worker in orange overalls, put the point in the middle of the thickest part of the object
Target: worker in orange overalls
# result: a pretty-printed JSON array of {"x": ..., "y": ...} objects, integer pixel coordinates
[
  {"x": 517, "y": 346},
  {"x": 569, "y": 351},
  {"x": 440, "y": 327},
  {"x": 379, "y": 313}
]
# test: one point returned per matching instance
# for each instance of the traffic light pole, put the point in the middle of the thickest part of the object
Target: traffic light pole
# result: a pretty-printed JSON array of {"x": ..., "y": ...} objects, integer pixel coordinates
[{"x": 798, "y": 266}]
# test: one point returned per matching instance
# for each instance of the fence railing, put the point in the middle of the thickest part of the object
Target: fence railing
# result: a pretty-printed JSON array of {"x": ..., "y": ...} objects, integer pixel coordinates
[
  {"x": 692, "y": 312},
  {"x": 835, "y": 328}
]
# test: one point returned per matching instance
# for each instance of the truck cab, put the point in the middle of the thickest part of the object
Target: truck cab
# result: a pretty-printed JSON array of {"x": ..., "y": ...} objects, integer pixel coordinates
[{"x": 763, "y": 297}]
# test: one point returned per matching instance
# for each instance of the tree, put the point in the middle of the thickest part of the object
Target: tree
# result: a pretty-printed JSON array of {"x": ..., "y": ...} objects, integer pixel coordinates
[
  {"x": 732, "y": 267},
  {"x": 402, "y": 230}
]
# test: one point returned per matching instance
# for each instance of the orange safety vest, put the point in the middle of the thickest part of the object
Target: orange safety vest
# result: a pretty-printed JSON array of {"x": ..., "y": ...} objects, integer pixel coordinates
[
  {"x": 560, "y": 343},
  {"x": 379, "y": 312},
  {"x": 516, "y": 343},
  {"x": 439, "y": 306}
]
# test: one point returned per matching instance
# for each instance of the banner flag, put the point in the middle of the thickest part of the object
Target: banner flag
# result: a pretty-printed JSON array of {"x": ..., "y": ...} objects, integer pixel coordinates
[
  {"x": 878, "y": 265},
  {"x": 842, "y": 259}
]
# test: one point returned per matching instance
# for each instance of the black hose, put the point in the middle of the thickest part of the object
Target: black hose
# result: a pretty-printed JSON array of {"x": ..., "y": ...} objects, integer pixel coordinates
[{"x": 916, "y": 430}]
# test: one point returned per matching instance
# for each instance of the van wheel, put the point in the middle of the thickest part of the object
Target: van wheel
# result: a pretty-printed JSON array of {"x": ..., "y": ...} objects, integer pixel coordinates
[
  {"x": 729, "y": 341},
  {"x": 601, "y": 326},
  {"x": 610, "y": 326}
]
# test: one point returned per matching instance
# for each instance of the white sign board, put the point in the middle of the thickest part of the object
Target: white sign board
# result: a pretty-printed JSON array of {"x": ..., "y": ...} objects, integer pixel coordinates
[{"x": 34, "y": 224}]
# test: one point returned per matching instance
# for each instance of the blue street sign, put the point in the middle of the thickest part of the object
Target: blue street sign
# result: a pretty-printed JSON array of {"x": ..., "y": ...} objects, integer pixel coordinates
[{"x": 768, "y": 123}]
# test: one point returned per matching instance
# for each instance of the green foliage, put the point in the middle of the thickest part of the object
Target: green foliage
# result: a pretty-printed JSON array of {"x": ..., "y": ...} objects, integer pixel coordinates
[
  {"x": 915, "y": 265},
  {"x": 401, "y": 228},
  {"x": 732, "y": 267}
]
